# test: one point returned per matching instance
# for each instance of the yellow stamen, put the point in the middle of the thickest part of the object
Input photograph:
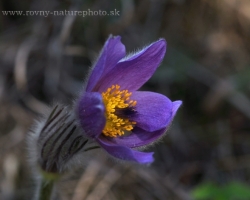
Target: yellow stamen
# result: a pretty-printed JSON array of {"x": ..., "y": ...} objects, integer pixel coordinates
[{"x": 115, "y": 99}]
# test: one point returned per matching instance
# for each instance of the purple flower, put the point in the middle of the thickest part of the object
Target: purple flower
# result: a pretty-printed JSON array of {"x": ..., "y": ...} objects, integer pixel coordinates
[{"x": 112, "y": 111}]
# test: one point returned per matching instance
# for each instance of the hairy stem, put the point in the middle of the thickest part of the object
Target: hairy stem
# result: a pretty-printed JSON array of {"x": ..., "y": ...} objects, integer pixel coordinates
[
  {"x": 46, "y": 189},
  {"x": 46, "y": 185}
]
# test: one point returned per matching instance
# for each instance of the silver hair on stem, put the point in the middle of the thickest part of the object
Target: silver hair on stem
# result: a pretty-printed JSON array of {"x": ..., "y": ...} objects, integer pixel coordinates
[{"x": 56, "y": 140}]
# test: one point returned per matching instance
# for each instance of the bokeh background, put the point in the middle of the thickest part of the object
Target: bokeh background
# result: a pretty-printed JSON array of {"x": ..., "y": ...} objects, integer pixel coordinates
[{"x": 205, "y": 154}]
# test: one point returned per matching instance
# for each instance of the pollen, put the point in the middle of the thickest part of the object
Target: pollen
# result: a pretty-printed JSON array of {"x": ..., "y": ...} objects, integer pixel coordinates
[{"x": 115, "y": 99}]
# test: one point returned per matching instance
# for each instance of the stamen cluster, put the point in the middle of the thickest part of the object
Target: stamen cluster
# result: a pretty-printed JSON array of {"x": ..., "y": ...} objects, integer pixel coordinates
[{"x": 115, "y": 99}]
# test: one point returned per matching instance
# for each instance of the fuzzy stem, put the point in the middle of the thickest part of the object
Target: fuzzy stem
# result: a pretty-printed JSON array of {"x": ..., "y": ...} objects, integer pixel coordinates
[
  {"x": 47, "y": 181},
  {"x": 46, "y": 188}
]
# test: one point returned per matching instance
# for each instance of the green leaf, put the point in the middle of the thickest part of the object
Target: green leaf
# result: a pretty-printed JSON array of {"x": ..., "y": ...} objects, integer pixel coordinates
[
  {"x": 238, "y": 190},
  {"x": 230, "y": 191},
  {"x": 206, "y": 191}
]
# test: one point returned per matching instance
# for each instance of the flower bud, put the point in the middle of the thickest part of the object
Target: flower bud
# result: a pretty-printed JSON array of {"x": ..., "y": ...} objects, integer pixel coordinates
[{"x": 56, "y": 141}]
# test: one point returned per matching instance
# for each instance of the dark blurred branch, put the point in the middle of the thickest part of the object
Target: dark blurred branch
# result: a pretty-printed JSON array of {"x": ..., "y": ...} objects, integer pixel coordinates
[{"x": 20, "y": 74}]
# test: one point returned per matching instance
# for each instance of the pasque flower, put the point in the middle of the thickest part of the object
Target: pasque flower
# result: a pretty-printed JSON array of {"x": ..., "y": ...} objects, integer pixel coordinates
[{"x": 111, "y": 110}]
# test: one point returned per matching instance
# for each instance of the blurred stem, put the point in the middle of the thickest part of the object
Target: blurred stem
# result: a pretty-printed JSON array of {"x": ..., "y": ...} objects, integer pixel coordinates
[
  {"x": 46, "y": 189},
  {"x": 46, "y": 185}
]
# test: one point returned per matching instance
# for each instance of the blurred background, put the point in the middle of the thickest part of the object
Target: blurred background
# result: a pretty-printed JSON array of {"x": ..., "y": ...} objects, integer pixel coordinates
[{"x": 206, "y": 153}]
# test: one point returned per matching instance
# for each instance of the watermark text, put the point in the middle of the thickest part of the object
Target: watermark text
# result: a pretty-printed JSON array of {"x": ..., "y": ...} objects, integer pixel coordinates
[{"x": 43, "y": 13}]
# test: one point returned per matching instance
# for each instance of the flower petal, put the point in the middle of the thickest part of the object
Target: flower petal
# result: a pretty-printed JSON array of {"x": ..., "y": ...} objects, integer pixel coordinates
[
  {"x": 137, "y": 138},
  {"x": 140, "y": 137},
  {"x": 91, "y": 113},
  {"x": 112, "y": 52},
  {"x": 125, "y": 153},
  {"x": 176, "y": 105},
  {"x": 153, "y": 110},
  {"x": 132, "y": 72}
]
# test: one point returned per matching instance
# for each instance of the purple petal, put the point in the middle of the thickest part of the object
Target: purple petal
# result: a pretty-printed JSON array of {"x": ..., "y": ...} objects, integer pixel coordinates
[
  {"x": 153, "y": 110},
  {"x": 176, "y": 105},
  {"x": 91, "y": 113},
  {"x": 131, "y": 73},
  {"x": 125, "y": 153},
  {"x": 137, "y": 138},
  {"x": 140, "y": 137},
  {"x": 112, "y": 52}
]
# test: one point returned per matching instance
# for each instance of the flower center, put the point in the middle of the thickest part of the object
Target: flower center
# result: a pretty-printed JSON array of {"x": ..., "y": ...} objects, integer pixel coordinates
[{"x": 115, "y": 102}]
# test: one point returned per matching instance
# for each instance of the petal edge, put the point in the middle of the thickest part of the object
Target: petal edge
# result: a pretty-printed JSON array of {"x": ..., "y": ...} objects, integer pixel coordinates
[
  {"x": 112, "y": 52},
  {"x": 125, "y": 153}
]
